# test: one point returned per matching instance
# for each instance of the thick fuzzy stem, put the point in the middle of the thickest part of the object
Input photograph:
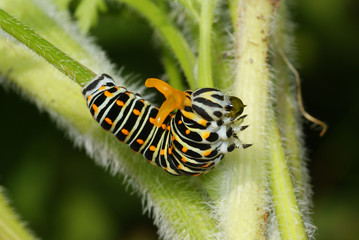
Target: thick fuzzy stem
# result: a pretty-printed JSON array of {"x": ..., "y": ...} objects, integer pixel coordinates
[{"x": 243, "y": 201}]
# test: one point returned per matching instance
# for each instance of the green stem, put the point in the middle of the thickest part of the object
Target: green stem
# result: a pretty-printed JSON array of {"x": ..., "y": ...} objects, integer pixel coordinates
[
  {"x": 190, "y": 6},
  {"x": 287, "y": 211},
  {"x": 10, "y": 226},
  {"x": 243, "y": 199},
  {"x": 293, "y": 177},
  {"x": 233, "y": 8},
  {"x": 172, "y": 71},
  {"x": 171, "y": 35},
  {"x": 42, "y": 47},
  {"x": 204, "y": 59},
  {"x": 286, "y": 103}
]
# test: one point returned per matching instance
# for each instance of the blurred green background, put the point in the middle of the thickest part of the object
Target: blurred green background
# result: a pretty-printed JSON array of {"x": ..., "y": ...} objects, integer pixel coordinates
[{"x": 62, "y": 194}]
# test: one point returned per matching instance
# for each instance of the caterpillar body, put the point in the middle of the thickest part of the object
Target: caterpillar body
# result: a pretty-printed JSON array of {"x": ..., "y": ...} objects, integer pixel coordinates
[{"x": 189, "y": 142}]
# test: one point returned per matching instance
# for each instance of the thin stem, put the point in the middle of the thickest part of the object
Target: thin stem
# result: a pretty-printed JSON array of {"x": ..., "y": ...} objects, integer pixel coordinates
[
  {"x": 288, "y": 214},
  {"x": 172, "y": 71},
  {"x": 299, "y": 96},
  {"x": 287, "y": 171},
  {"x": 233, "y": 8},
  {"x": 288, "y": 116},
  {"x": 42, "y": 47},
  {"x": 171, "y": 35},
  {"x": 204, "y": 59},
  {"x": 190, "y": 6},
  {"x": 285, "y": 100}
]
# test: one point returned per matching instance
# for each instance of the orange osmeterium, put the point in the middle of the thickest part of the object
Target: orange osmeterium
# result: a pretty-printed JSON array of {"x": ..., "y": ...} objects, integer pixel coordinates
[{"x": 174, "y": 99}]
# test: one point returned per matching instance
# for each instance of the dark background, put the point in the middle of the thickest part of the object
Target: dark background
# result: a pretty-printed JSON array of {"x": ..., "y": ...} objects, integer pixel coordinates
[{"x": 59, "y": 191}]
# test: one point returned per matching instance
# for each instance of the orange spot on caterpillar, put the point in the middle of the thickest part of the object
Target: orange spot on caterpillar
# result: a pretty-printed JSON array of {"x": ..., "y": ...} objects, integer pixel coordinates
[
  {"x": 125, "y": 131},
  {"x": 162, "y": 152},
  {"x": 169, "y": 150},
  {"x": 183, "y": 159},
  {"x": 179, "y": 122},
  {"x": 89, "y": 97},
  {"x": 152, "y": 148},
  {"x": 140, "y": 141},
  {"x": 94, "y": 107},
  {"x": 119, "y": 103},
  {"x": 152, "y": 120},
  {"x": 184, "y": 149},
  {"x": 207, "y": 153},
  {"x": 188, "y": 131},
  {"x": 179, "y": 166},
  {"x": 102, "y": 87},
  {"x": 109, "y": 121},
  {"x": 163, "y": 126},
  {"x": 206, "y": 135},
  {"x": 108, "y": 94},
  {"x": 168, "y": 127},
  {"x": 202, "y": 122},
  {"x": 204, "y": 166},
  {"x": 136, "y": 112}
]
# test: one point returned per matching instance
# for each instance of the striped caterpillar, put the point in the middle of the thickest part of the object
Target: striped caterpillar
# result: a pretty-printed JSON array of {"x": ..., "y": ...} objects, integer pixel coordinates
[{"x": 189, "y": 142}]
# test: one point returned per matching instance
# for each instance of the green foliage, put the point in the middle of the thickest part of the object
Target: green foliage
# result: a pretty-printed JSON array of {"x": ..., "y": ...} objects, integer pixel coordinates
[{"x": 87, "y": 13}]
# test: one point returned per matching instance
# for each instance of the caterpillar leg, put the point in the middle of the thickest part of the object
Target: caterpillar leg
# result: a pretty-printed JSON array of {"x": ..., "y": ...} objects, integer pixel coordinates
[{"x": 174, "y": 99}]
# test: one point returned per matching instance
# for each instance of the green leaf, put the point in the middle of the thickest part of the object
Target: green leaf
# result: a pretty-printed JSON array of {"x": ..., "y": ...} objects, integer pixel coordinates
[
  {"x": 62, "y": 4},
  {"x": 87, "y": 13}
]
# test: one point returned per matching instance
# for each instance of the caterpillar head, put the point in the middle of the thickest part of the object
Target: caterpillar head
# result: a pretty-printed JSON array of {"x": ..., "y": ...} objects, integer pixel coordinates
[
  {"x": 212, "y": 105},
  {"x": 209, "y": 103}
]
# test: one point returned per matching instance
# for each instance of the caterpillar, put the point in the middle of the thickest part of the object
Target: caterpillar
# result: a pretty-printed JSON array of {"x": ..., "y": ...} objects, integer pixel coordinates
[{"x": 190, "y": 141}]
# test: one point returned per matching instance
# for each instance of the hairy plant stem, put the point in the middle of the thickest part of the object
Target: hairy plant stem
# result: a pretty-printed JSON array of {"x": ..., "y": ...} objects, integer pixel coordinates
[
  {"x": 253, "y": 83},
  {"x": 10, "y": 226},
  {"x": 290, "y": 222},
  {"x": 290, "y": 188},
  {"x": 288, "y": 114},
  {"x": 245, "y": 185},
  {"x": 52, "y": 54}
]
